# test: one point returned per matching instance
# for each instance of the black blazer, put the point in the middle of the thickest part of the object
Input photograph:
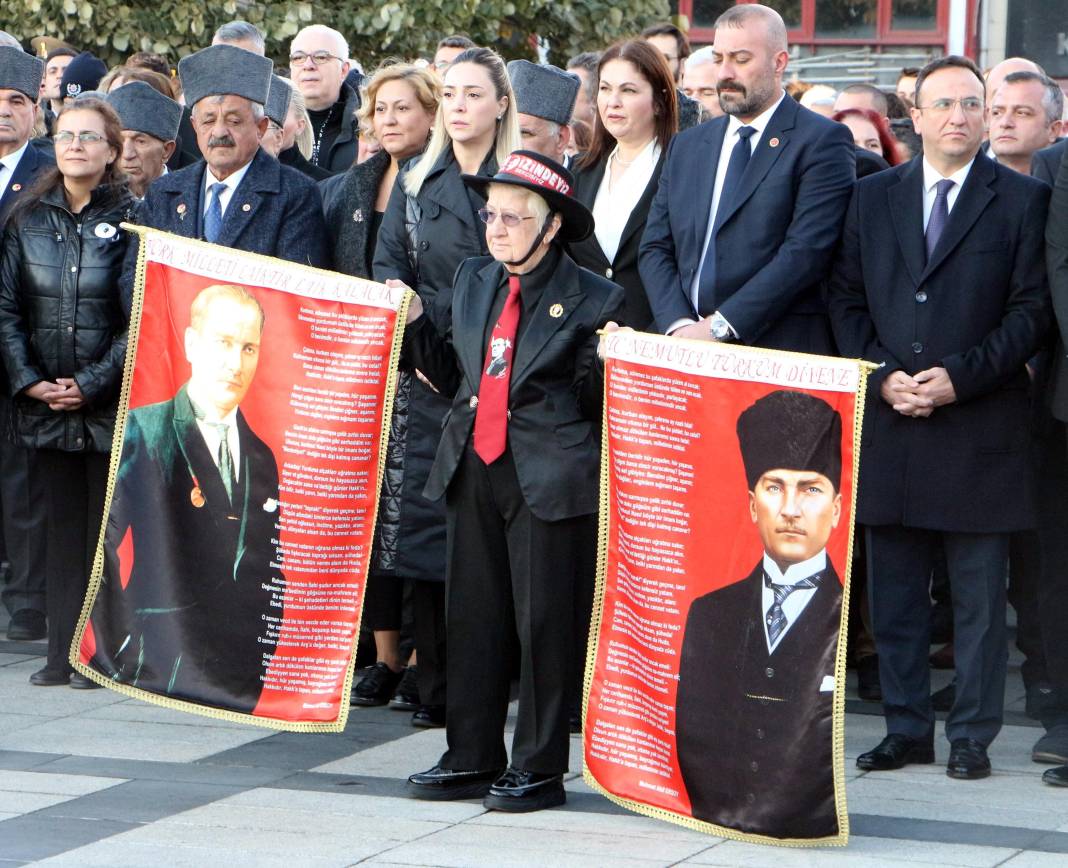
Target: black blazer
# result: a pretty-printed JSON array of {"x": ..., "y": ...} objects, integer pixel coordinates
[
  {"x": 980, "y": 309},
  {"x": 32, "y": 164},
  {"x": 1057, "y": 263},
  {"x": 1046, "y": 163},
  {"x": 203, "y": 576},
  {"x": 752, "y": 729},
  {"x": 774, "y": 243},
  {"x": 555, "y": 389},
  {"x": 623, "y": 269}
]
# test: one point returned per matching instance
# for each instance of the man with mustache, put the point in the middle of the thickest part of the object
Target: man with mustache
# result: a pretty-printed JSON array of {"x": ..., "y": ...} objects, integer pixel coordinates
[
  {"x": 237, "y": 196},
  {"x": 756, "y": 673},
  {"x": 149, "y": 132},
  {"x": 750, "y": 205}
]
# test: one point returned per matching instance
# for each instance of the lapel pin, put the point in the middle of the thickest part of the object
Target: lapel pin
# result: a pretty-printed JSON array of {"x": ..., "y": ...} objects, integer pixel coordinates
[
  {"x": 556, "y": 311},
  {"x": 774, "y": 143},
  {"x": 246, "y": 207},
  {"x": 16, "y": 187},
  {"x": 357, "y": 216},
  {"x": 181, "y": 210},
  {"x": 196, "y": 497},
  {"x": 270, "y": 505}
]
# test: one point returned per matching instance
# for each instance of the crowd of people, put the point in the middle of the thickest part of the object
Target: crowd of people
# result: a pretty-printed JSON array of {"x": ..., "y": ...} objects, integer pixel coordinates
[{"x": 703, "y": 195}]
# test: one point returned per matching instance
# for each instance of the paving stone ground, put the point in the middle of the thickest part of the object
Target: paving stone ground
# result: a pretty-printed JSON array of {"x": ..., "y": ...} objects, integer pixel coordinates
[{"x": 90, "y": 778}]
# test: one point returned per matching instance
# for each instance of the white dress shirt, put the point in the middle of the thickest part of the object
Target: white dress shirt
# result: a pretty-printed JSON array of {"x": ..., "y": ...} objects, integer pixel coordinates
[
  {"x": 212, "y": 440},
  {"x": 8, "y": 165},
  {"x": 615, "y": 202},
  {"x": 795, "y": 603},
  {"x": 931, "y": 177},
  {"x": 231, "y": 184}
]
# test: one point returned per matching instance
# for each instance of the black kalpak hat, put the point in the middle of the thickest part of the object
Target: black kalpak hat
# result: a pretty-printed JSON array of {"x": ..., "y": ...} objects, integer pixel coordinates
[
  {"x": 548, "y": 179},
  {"x": 791, "y": 431}
]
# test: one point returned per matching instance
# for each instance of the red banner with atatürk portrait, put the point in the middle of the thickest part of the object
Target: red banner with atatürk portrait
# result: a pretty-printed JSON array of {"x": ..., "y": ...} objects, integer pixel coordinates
[
  {"x": 716, "y": 667},
  {"x": 244, "y": 484}
]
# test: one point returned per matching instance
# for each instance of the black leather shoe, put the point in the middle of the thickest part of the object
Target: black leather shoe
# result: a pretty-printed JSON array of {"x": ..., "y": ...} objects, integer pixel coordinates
[
  {"x": 942, "y": 700},
  {"x": 441, "y": 785},
  {"x": 1052, "y": 748},
  {"x": 406, "y": 696},
  {"x": 429, "y": 717},
  {"x": 49, "y": 677},
  {"x": 518, "y": 792},
  {"x": 27, "y": 625},
  {"x": 80, "y": 682},
  {"x": 1058, "y": 776},
  {"x": 967, "y": 760},
  {"x": 869, "y": 687},
  {"x": 376, "y": 687},
  {"x": 896, "y": 751}
]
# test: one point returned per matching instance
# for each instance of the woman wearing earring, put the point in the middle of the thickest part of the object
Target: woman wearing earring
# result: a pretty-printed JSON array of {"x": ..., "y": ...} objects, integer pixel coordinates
[
  {"x": 430, "y": 226},
  {"x": 398, "y": 110},
  {"x": 617, "y": 178},
  {"x": 63, "y": 341}
]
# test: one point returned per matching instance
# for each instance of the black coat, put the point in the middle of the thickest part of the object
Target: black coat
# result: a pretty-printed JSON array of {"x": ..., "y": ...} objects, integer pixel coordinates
[
  {"x": 342, "y": 153},
  {"x": 980, "y": 309},
  {"x": 348, "y": 208},
  {"x": 275, "y": 211},
  {"x": 1057, "y": 263},
  {"x": 555, "y": 390},
  {"x": 293, "y": 158},
  {"x": 60, "y": 315},
  {"x": 203, "y": 577},
  {"x": 753, "y": 730},
  {"x": 774, "y": 242},
  {"x": 623, "y": 269},
  {"x": 1046, "y": 163}
]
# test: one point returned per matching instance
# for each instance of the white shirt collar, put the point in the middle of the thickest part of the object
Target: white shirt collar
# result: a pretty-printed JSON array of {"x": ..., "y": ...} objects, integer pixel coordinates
[
  {"x": 11, "y": 161},
  {"x": 795, "y": 572},
  {"x": 932, "y": 176},
  {"x": 231, "y": 181},
  {"x": 759, "y": 123}
]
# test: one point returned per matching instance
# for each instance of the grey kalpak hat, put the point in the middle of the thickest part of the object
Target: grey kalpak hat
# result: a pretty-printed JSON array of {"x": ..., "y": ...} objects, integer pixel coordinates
[
  {"x": 225, "y": 69},
  {"x": 143, "y": 108},
  {"x": 277, "y": 106},
  {"x": 544, "y": 91},
  {"x": 20, "y": 71}
]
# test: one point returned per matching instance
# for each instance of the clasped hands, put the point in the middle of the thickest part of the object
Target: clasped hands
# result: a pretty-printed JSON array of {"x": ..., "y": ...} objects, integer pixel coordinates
[
  {"x": 918, "y": 395},
  {"x": 63, "y": 394}
]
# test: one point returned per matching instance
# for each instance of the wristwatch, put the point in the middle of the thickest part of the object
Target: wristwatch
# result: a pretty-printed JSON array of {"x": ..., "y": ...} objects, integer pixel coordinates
[{"x": 719, "y": 328}]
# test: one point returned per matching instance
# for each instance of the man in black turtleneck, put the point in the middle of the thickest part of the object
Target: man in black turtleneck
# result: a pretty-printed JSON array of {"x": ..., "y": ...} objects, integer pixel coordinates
[{"x": 318, "y": 64}]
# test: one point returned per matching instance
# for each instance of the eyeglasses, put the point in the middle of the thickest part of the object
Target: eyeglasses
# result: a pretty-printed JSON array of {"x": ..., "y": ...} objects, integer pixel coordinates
[
  {"x": 507, "y": 217},
  {"x": 297, "y": 58},
  {"x": 970, "y": 105},
  {"x": 86, "y": 137}
]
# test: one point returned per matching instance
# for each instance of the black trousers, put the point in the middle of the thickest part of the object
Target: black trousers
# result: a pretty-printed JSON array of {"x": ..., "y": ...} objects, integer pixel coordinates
[
  {"x": 75, "y": 484},
  {"x": 383, "y": 602},
  {"x": 24, "y": 517},
  {"x": 428, "y": 602},
  {"x": 1052, "y": 588},
  {"x": 510, "y": 585},
  {"x": 900, "y": 560}
]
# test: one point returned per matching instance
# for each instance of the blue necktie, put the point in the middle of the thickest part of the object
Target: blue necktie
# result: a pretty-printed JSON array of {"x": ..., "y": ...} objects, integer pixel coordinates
[
  {"x": 213, "y": 217},
  {"x": 936, "y": 223},
  {"x": 732, "y": 180}
]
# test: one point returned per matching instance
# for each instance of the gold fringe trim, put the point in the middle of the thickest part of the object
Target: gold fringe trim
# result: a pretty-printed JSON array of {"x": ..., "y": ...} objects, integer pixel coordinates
[
  {"x": 96, "y": 579},
  {"x": 838, "y": 705}
]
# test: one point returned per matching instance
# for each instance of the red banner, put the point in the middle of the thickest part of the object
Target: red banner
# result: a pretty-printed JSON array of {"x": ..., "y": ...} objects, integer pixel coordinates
[
  {"x": 716, "y": 669},
  {"x": 244, "y": 485}
]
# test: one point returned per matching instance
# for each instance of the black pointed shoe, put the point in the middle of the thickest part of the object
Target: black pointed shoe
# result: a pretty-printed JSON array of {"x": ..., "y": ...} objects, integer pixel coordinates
[
  {"x": 442, "y": 785},
  {"x": 50, "y": 677},
  {"x": 895, "y": 752},
  {"x": 518, "y": 792},
  {"x": 1058, "y": 776},
  {"x": 967, "y": 760},
  {"x": 377, "y": 686},
  {"x": 406, "y": 696}
]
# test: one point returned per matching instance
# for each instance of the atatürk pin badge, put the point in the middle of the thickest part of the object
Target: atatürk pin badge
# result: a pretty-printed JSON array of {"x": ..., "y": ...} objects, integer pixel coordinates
[
  {"x": 556, "y": 311},
  {"x": 246, "y": 207},
  {"x": 196, "y": 497},
  {"x": 774, "y": 143},
  {"x": 16, "y": 187},
  {"x": 181, "y": 210}
]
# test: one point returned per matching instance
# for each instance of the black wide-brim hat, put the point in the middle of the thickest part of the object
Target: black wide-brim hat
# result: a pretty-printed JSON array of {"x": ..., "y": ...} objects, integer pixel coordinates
[{"x": 551, "y": 181}]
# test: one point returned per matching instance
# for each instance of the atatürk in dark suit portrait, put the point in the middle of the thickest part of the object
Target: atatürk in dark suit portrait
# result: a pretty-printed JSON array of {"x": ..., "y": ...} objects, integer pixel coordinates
[
  {"x": 197, "y": 494},
  {"x": 756, "y": 678}
]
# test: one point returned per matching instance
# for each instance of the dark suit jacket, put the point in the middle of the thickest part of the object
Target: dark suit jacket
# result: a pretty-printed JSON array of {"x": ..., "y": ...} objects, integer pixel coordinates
[
  {"x": 980, "y": 309},
  {"x": 202, "y": 576},
  {"x": 1057, "y": 262},
  {"x": 753, "y": 729},
  {"x": 555, "y": 389},
  {"x": 30, "y": 166},
  {"x": 773, "y": 243},
  {"x": 623, "y": 269},
  {"x": 1046, "y": 163},
  {"x": 275, "y": 211}
]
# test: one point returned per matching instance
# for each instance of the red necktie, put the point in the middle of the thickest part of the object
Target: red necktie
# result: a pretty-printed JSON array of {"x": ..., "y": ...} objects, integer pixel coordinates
[{"x": 491, "y": 417}]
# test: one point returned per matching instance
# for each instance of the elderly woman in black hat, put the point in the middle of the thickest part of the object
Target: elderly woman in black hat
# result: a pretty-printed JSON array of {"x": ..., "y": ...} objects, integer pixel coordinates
[{"x": 514, "y": 345}]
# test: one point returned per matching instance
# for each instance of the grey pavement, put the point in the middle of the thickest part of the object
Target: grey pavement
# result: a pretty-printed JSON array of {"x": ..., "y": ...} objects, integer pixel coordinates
[{"x": 92, "y": 778}]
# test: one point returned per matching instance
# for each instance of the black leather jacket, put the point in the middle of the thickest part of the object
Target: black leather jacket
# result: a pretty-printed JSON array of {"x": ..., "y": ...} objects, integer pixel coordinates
[{"x": 60, "y": 315}]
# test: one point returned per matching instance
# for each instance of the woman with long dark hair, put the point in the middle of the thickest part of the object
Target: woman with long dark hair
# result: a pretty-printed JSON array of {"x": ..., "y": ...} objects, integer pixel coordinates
[
  {"x": 63, "y": 341},
  {"x": 617, "y": 177}
]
